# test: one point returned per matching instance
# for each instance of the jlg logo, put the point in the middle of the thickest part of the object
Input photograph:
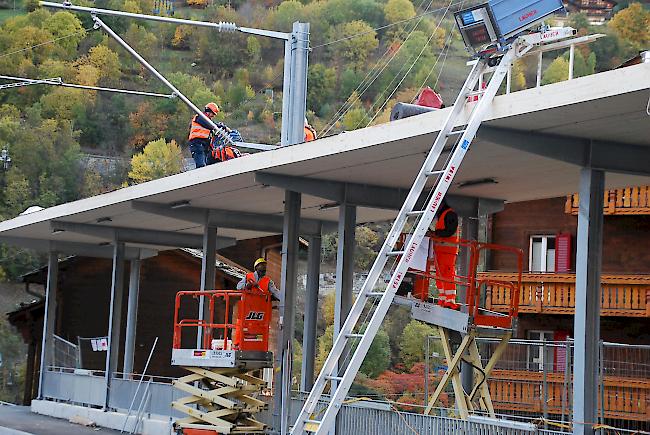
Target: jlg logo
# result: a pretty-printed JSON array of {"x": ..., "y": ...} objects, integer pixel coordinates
[{"x": 255, "y": 315}]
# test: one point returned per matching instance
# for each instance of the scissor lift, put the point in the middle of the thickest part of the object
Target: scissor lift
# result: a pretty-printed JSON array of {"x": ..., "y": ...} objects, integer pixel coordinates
[
  {"x": 223, "y": 386},
  {"x": 470, "y": 322}
]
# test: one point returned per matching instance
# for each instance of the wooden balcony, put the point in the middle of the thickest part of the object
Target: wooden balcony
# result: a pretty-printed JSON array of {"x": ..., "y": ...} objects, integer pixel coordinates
[
  {"x": 554, "y": 293},
  {"x": 630, "y": 200},
  {"x": 523, "y": 391}
]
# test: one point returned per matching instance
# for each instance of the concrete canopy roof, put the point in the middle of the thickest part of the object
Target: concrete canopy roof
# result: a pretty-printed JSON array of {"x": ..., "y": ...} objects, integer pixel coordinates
[{"x": 608, "y": 107}]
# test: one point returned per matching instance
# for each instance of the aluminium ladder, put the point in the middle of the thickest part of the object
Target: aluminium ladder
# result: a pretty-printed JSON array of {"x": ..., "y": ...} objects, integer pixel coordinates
[{"x": 356, "y": 335}]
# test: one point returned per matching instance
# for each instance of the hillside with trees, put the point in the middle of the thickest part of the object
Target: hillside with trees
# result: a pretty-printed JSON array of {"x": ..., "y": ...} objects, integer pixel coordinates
[{"x": 366, "y": 55}]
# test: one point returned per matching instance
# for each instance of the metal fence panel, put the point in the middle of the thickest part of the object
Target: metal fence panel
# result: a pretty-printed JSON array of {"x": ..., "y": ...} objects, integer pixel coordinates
[{"x": 74, "y": 387}]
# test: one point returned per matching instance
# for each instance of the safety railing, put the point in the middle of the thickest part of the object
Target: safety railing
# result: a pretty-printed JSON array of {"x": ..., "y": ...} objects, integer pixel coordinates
[
  {"x": 621, "y": 295},
  {"x": 625, "y": 201}
]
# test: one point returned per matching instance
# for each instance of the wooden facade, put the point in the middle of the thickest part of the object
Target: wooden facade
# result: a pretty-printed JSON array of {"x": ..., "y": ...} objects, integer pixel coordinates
[{"x": 627, "y": 201}]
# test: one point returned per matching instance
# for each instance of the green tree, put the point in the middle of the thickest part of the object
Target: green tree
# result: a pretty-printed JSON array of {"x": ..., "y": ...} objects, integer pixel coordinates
[
  {"x": 287, "y": 12},
  {"x": 376, "y": 362},
  {"x": 633, "y": 24},
  {"x": 107, "y": 62},
  {"x": 158, "y": 159},
  {"x": 322, "y": 82},
  {"x": 557, "y": 71},
  {"x": 396, "y": 11},
  {"x": 68, "y": 29},
  {"x": 355, "y": 118},
  {"x": 355, "y": 50},
  {"x": 412, "y": 342}
]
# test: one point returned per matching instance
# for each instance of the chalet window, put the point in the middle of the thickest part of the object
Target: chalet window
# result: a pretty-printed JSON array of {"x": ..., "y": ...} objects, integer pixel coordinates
[{"x": 541, "y": 254}]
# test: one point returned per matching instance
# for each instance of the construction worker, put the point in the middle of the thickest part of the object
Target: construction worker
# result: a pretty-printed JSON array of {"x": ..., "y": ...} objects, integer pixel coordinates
[
  {"x": 220, "y": 151},
  {"x": 310, "y": 133},
  {"x": 199, "y": 138},
  {"x": 258, "y": 280},
  {"x": 445, "y": 251}
]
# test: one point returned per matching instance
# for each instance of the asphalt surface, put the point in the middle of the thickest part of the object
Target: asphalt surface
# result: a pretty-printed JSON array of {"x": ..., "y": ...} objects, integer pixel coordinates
[{"x": 22, "y": 419}]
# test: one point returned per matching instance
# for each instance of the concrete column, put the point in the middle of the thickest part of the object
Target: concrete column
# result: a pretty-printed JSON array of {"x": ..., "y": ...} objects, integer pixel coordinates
[
  {"x": 47, "y": 343},
  {"x": 132, "y": 316},
  {"x": 344, "y": 267},
  {"x": 311, "y": 313},
  {"x": 288, "y": 282},
  {"x": 114, "y": 317},
  {"x": 208, "y": 271},
  {"x": 586, "y": 328}
]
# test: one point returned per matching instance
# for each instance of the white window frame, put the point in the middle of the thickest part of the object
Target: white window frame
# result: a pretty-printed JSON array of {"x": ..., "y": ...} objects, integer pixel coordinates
[
  {"x": 545, "y": 238},
  {"x": 534, "y": 362}
]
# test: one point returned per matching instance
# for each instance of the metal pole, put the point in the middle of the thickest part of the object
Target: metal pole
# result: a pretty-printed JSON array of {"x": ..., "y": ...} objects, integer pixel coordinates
[
  {"x": 539, "y": 69},
  {"x": 290, "y": 236},
  {"x": 469, "y": 231},
  {"x": 567, "y": 379},
  {"x": 114, "y": 318},
  {"x": 587, "y": 300},
  {"x": 602, "y": 381},
  {"x": 299, "y": 67},
  {"x": 162, "y": 78},
  {"x": 572, "y": 51},
  {"x": 220, "y": 26},
  {"x": 509, "y": 80},
  {"x": 131, "y": 317},
  {"x": 59, "y": 82},
  {"x": 544, "y": 384},
  {"x": 47, "y": 342},
  {"x": 344, "y": 270},
  {"x": 208, "y": 272},
  {"x": 311, "y": 313}
]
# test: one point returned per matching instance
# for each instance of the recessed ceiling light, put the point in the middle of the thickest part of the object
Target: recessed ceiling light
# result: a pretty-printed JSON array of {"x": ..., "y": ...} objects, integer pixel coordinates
[
  {"x": 477, "y": 182},
  {"x": 180, "y": 204}
]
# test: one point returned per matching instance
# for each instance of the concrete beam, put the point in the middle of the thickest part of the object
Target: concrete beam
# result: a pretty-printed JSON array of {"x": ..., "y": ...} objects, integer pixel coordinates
[
  {"x": 133, "y": 235},
  {"x": 238, "y": 220},
  {"x": 608, "y": 156},
  {"x": 367, "y": 195},
  {"x": 75, "y": 248}
]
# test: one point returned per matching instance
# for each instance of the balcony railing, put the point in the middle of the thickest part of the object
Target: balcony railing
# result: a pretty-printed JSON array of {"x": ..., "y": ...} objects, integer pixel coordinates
[
  {"x": 630, "y": 200},
  {"x": 622, "y": 295}
]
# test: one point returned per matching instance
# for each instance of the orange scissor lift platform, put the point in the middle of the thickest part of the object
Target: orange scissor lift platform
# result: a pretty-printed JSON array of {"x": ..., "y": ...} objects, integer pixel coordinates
[
  {"x": 224, "y": 385},
  {"x": 459, "y": 329}
]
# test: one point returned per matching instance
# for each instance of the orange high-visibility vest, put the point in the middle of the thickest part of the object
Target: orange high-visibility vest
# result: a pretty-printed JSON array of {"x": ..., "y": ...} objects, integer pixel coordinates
[
  {"x": 310, "y": 134},
  {"x": 262, "y": 284},
  {"x": 197, "y": 131}
]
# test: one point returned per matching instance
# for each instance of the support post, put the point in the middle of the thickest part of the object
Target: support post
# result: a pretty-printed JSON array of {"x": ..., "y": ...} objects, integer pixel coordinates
[
  {"x": 469, "y": 231},
  {"x": 208, "y": 271},
  {"x": 47, "y": 343},
  {"x": 131, "y": 316},
  {"x": 288, "y": 281},
  {"x": 114, "y": 318},
  {"x": 572, "y": 51},
  {"x": 294, "y": 103},
  {"x": 311, "y": 313},
  {"x": 344, "y": 270},
  {"x": 587, "y": 301}
]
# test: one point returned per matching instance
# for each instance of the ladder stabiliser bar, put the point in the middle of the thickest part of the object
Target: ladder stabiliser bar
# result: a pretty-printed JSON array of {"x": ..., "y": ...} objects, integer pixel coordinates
[{"x": 375, "y": 309}]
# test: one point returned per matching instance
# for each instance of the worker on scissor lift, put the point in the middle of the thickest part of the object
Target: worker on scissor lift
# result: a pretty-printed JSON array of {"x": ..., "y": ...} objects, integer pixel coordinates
[
  {"x": 446, "y": 229},
  {"x": 259, "y": 280}
]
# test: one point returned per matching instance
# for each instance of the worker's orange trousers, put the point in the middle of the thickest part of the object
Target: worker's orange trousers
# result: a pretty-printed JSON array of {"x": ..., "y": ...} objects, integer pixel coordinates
[{"x": 445, "y": 261}]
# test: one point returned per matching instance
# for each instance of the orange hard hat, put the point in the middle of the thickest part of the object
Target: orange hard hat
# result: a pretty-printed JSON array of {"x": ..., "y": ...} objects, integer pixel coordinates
[{"x": 212, "y": 107}]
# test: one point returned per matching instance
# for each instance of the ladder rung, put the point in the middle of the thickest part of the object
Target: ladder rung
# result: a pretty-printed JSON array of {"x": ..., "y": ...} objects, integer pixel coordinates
[
  {"x": 395, "y": 253},
  {"x": 456, "y": 132},
  {"x": 375, "y": 294},
  {"x": 354, "y": 335},
  {"x": 334, "y": 378},
  {"x": 430, "y": 173},
  {"x": 415, "y": 213}
]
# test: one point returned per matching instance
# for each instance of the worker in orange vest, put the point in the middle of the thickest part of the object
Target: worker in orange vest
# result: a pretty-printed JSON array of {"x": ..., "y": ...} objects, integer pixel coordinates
[
  {"x": 446, "y": 229},
  {"x": 199, "y": 137},
  {"x": 258, "y": 280},
  {"x": 310, "y": 133}
]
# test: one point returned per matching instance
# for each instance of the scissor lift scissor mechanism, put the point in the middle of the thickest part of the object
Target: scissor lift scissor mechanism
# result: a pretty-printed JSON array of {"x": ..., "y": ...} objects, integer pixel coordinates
[{"x": 224, "y": 385}]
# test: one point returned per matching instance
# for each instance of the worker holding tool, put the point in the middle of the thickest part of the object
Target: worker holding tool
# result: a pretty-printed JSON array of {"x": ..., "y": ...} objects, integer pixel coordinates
[
  {"x": 445, "y": 230},
  {"x": 199, "y": 138},
  {"x": 221, "y": 151},
  {"x": 258, "y": 280}
]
